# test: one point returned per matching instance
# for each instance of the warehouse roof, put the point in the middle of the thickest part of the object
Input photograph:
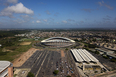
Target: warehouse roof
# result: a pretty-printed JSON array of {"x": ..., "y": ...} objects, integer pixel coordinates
[{"x": 82, "y": 55}]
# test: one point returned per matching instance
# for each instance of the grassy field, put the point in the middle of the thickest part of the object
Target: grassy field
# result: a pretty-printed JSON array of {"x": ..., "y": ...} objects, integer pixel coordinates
[
  {"x": 11, "y": 52},
  {"x": 25, "y": 39},
  {"x": 16, "y": 52},
  {"x": 25, "y": 43}
]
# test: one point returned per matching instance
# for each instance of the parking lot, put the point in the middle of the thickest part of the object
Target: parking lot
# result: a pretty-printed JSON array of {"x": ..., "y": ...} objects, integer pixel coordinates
[{"x": 43, "y": 63}]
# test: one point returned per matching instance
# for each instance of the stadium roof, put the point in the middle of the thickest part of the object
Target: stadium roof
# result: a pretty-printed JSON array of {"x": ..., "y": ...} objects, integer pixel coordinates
[
  {"x": 4, "y": 65},
  {"x": 64, "y": 38}
]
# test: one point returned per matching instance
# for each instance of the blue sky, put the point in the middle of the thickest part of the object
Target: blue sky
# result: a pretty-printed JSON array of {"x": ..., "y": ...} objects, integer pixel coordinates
[{"x": 57, "y": 14}]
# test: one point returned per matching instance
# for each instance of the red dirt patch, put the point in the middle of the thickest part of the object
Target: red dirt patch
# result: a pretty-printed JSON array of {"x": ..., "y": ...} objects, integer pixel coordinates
[
  {"x": 18, "y": 62},
  {"x": 62, "y": 53}
]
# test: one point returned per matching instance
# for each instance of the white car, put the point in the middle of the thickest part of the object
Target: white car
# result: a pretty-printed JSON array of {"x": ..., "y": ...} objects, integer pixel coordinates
[
  {"x": 62, "y": 71},
  {"x": 66, "y": 66},
  {"x": 23, "y": 72},
  {"x": 56, "y": 68}
]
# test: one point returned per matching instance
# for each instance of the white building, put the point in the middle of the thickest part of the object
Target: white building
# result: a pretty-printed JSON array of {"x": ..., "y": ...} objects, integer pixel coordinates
[
  {"x": 82, "y": 55},
  {"x": 6, "y": 69},
  {"x": 105, "y": 51}
]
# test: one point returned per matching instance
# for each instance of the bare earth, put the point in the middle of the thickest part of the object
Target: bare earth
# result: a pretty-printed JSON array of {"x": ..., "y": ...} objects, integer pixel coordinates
[
  {"x": 18, "y": 62},
  {"x": 62, "y": 53},
  {"x": 25, "y": 43}
]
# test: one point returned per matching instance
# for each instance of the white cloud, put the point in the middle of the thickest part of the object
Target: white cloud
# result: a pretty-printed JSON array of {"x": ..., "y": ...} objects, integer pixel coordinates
[
  {"x": 39, "y": 14},
  {"x": 45, "y": 20},
  {"x": 33, "y": 22},
  {"x": 115, "y": 18},
  {"x": 71, "y": 20},
  {"x": 57, "y": 22},
  {"x": 18, "y": 21},
  {"x": 21, "y": 21},
  {"x": 38, "y": 21},
  {"x": 18, "y": 8},
  {"x": 48, "y": 12},
  {"x": 25, "y": 16},
  {"x": 12, "y": 1},
  {"x": 81, "y": 21},
  {"x": 87, "y": 10},
  {"x": 105, "y": 5},
  {"x": 64, "y": 21}
]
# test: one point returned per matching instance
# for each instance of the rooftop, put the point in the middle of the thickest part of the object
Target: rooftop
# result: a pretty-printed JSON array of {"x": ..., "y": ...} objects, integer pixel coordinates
[
  {"x": 4, "y": 65},
  {"x": 104, "y": 50},
  {"x": 52, "y": 38}
]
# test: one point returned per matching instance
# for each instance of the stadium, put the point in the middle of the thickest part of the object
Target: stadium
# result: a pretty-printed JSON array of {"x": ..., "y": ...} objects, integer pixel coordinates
[{"x": 58, "y": 42}]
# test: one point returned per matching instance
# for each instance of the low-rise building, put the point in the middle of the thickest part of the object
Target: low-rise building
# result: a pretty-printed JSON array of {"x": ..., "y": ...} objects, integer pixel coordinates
[
  {"x": 104, "y": 51},
  {"x": 89, "y": 67}
]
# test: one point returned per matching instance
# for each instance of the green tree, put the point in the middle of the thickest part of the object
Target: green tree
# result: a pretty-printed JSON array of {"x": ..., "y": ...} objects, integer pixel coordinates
[
  {"x": 85, "y": 45},
  {"x": 91, "y": 46},
  {"x": 94, "y": 40},
  {"x": 96, "y": 72},
  {"x": 97, "y": 52},
  {"x": 30, "y": 74},
  {"x": 76, "y": 40},
  {"x": 66, "y": 49},
  {"x": 68, "y": 76},
  {"x": 113, "y": 60},
  {"x": 55, "y": 72},
  {"x": 104, "y": 56},
  {"x": 74, "y": 46}
]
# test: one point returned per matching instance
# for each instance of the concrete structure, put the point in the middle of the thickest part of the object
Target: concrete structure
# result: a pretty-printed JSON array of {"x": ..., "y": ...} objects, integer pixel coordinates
[
  {"x": 58, "y": 42},
  {"x": 82, "y": 55},
  {"x": 105, "y": 51},
  {"x": 87, "y": 67},
  {"x": 112, "y": 55},
  {"x": 6, "y": 69}
]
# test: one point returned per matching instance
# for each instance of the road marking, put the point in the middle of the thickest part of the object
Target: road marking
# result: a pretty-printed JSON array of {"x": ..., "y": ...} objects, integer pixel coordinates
[
  {"x": 41, "y": 57},
  {"x": 36, "y": 60},
  {"x": 48, "y": 60},
  {"x": 41, "y": 65}
]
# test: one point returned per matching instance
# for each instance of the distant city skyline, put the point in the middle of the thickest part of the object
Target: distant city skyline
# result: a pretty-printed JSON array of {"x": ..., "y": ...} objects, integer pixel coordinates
[{"x": 57, "y": 14}]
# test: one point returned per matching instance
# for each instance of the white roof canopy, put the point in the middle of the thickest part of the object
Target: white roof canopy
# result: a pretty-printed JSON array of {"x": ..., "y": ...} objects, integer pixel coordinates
[{"x": 4, "y": 65}]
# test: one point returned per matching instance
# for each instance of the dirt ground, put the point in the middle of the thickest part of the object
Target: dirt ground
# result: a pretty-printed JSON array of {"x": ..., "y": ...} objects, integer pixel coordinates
[
  {"x": 18, "y": 62},
  {"x": 62, "y": 53},
  {"x": 25, "y": 43}
]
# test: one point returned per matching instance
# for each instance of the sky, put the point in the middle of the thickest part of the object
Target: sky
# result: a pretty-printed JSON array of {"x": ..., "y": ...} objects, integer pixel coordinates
[{"x": 57, "y": 14}]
